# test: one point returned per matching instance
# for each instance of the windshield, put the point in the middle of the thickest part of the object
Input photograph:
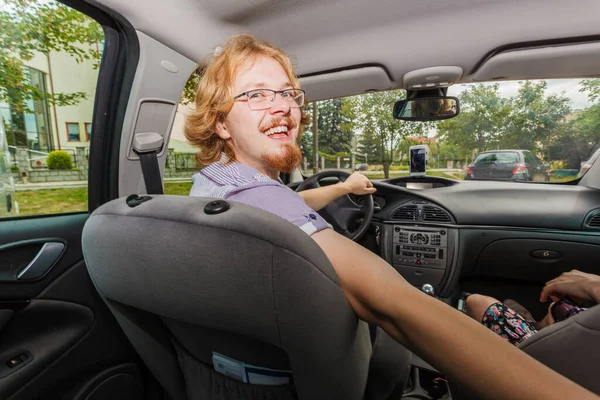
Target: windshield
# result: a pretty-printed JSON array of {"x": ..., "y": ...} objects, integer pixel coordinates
[
  {"x": 537, "y": 130},
  {"x": 517, "y": 131}
]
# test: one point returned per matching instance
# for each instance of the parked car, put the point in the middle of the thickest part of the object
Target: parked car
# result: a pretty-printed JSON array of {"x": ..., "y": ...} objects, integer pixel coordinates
[
  {"x": 509, "y": 165},
  {"x": 588, "y": 164},
  {"x": 361, "y": 167}
]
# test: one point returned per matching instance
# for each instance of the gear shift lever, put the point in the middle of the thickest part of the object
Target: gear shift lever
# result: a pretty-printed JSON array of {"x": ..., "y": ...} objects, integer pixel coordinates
[{"x": 428, "y": 289}]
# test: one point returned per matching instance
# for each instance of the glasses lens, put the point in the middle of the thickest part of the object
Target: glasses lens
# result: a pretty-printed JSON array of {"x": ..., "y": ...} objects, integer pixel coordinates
[
  {"x": 294, "y": 96},
  {"x": 259, "y": 99}
]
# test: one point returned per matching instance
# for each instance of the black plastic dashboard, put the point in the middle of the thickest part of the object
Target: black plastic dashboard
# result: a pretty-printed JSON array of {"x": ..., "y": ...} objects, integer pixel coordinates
[
  {"x": 441, "y": 231},
  {"x": 488, "y": 203},
  {"x": 508, "y": 230}
]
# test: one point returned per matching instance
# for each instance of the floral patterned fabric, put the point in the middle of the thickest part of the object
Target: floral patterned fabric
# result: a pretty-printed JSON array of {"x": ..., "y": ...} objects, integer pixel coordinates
[{"x": 507, "y": 323}]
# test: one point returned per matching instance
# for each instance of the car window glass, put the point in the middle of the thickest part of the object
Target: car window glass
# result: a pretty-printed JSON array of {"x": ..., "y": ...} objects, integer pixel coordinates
[
  {"x": 498, "y": 158},
  {"x": 550, "y": 121},
  {"x": 46, "y": 105},
  {"x": 529, "y": 157}
]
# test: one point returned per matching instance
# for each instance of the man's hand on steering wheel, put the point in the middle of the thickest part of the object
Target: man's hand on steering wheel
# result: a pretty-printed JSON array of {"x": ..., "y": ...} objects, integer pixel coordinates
[
  {"x": 346, "y": 217},
  {"x": 358, "y": 184}
]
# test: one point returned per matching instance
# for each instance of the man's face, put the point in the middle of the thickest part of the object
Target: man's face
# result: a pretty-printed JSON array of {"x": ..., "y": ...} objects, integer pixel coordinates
[{"x": 251, "y": 132}]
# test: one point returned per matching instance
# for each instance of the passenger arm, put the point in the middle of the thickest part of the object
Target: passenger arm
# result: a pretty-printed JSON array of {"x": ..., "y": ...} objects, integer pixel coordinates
[{"x": 458, "y": 346}]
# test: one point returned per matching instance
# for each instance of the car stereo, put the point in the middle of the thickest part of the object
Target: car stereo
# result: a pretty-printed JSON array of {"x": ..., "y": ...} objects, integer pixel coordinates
[{"x": 423, "y": 247}]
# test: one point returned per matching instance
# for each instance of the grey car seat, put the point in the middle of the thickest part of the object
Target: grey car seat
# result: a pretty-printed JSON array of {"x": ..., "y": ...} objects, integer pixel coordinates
[
  {"x": 190, "y": 278},
  {"x": 570, "y": 347}
]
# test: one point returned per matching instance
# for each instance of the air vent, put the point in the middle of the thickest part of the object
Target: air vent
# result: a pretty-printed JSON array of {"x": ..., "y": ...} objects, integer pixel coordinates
[
  {"x": 435, "y": 214},
  {"x": 406, "y": 213},
  {"x": 593, "y": 221}
]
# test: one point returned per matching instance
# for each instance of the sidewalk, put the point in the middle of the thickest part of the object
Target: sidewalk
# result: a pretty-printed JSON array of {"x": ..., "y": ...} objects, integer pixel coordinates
[{"x": 72, "y": 184}]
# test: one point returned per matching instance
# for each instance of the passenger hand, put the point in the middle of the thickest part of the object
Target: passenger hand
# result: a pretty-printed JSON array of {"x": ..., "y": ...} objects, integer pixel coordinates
[
  {"x": 575, "y": 284},
  {"x": 359, "y": 184}
]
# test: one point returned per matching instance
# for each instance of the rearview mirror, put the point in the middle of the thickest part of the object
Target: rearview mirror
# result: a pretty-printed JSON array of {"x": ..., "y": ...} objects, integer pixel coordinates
[{"x": 426, "y": 108}]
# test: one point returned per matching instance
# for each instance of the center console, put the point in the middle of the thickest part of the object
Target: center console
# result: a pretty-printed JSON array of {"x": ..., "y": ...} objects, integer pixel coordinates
[
  {"x": 422, "y": 254},
  {"x": 420, "y": 246}
]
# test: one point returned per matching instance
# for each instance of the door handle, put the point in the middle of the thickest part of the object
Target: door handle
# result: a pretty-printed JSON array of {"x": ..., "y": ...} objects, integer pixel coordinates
[{"x": 42, "y": 262}]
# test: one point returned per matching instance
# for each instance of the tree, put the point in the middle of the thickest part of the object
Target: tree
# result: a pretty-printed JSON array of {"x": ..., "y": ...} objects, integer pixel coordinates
[
  {"x": 404, "y": 147},
  {"x": 335, "y": 127},
  {"x": 369, "y": 147},
  {"x": 481, "y": 122},
  {"x": 592, "y": 87},
  {"x": 28, "y": 28},
  {"x": 375, "y": 118},
  {"x": 306, "y": 144},
  {"x": 534, "y": 117}
]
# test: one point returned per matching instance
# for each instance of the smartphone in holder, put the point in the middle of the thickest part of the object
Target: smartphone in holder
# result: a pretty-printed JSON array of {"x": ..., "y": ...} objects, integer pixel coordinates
[{"x": 418, "y": 160}]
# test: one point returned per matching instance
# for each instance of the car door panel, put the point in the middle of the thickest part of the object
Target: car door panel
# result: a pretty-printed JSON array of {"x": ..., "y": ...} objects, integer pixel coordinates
[{"x": 57, "y": 325}]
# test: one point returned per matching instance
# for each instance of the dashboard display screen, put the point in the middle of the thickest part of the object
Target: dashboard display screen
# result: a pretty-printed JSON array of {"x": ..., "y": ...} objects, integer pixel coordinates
[{"x": 419, "y": 185}]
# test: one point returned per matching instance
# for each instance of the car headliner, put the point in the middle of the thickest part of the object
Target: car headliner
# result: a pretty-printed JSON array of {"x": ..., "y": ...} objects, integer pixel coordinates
[{"x": 396, "y": 36}]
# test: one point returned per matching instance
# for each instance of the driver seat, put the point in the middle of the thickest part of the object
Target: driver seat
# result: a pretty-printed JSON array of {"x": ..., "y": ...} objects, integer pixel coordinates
[{"x": 190, "y": 279}]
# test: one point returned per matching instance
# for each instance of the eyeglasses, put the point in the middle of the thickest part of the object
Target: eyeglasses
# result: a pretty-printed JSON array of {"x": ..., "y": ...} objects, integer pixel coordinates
[{"x": 262, "y": 99}]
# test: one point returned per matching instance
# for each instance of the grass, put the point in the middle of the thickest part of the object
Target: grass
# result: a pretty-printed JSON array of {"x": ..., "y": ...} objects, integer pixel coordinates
[
  {"x": 52, "y": 201},
  {"x": 65, "y": 200}
]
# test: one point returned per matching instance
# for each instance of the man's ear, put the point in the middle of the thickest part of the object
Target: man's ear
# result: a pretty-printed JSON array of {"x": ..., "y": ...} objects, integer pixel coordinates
[{"x": 222, "y": 130}]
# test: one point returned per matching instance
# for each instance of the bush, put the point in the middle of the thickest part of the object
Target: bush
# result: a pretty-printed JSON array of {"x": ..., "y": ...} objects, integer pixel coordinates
[
  {"x": 559, "y": 164},
  {"x": 14, "y": 168},
  {"x": 59, "y": 159}
]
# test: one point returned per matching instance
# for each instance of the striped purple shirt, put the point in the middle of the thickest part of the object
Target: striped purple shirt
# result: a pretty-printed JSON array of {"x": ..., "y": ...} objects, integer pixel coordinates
[{"x": 239, "y": 182}]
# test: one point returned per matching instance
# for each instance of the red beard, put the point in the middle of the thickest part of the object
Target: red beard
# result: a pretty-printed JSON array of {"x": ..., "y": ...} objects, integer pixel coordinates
[{"x": 285, "y": 161}]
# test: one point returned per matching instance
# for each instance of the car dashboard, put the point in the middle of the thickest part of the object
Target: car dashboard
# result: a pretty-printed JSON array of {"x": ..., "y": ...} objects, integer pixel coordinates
[{"x": 435, "y": 230}]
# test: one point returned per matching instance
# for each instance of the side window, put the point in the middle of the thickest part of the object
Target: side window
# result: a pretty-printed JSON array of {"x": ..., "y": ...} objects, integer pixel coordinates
[
  {"x": 73, "y": 132},
  {"x": 181, "y": 162},
  {"x": 486, "y": 159},
  {"x": 47, "y": 88},
  {"x": 529, "y": 158}
]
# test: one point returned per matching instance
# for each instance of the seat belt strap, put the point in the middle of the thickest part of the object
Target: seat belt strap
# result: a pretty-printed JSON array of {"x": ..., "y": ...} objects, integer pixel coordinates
[
  {"x": 151, "y": 172},
  {"x": 147, "y": 145}
]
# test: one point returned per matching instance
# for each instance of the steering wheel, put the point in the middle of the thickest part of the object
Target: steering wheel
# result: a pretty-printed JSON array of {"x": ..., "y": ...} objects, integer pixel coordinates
[{"x": 343, "y": 213}]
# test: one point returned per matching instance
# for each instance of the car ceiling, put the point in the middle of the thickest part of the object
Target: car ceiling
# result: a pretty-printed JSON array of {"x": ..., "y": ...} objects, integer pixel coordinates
[{"x": 400, "y": 36}]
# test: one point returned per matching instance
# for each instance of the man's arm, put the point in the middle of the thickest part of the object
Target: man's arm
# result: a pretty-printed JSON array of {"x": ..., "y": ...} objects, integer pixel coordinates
[
  {"x": 318, "y": 198},
  {"x": 461, "y": 348}
]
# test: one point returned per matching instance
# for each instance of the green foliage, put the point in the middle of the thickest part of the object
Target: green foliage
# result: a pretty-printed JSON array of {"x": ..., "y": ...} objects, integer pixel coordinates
[
  {"x": 333, "y": 157},
  {"x": 27, "y": 28},
  {"x": 369, "y": 147},
  {"x": 531, "y": 120},
  {"x": 380, "y": 130},
  {"x": 14, "y": 168},
  {"x": 59, "y": 159},
  {"x": 592, "y": 87},
  {"x": 481, "y": 121},
  {"x": 534, "y": 117},
  {"x": 189, "y": 91},
  {"x": 335, "y": 119}
]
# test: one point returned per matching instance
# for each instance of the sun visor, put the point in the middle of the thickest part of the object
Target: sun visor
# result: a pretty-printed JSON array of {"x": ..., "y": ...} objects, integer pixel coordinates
[
  {"x": 567, "y": 61},
  {"x": 345, "y": 83}
]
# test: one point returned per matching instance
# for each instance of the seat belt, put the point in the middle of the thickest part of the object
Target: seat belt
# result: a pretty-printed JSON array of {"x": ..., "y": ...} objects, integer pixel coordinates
[{"x": 147, "y": 145}]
